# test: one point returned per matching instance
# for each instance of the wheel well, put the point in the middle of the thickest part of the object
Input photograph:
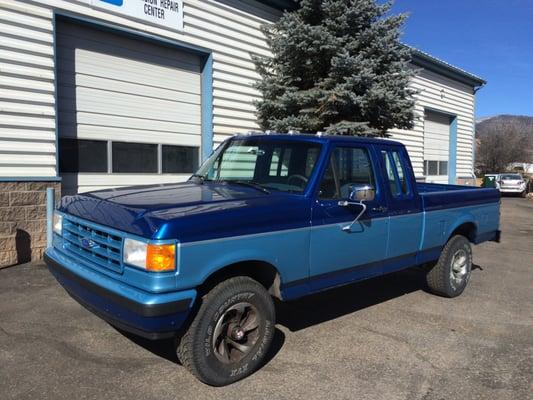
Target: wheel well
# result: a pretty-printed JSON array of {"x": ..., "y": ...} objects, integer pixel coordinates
[
  {"x": 468, "y": 230},
  {"x": 264, "y": 273}
]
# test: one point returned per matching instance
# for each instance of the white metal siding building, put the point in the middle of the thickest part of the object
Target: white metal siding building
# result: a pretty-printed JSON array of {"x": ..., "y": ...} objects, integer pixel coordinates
[
  {"x": 441, "y": 144},
  {"x": 104, "y": 93}
]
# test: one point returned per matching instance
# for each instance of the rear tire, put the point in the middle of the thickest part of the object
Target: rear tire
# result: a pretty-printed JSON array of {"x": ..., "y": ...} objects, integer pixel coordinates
[
  {"x": 450, "y": 275},
  {"x": 231, "y": 334}
]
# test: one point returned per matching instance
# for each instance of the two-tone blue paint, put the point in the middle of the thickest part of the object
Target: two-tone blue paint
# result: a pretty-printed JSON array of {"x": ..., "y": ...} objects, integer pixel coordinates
[
  {"x": 317, "y": 257},
  {"x": 216, "y": 225}
]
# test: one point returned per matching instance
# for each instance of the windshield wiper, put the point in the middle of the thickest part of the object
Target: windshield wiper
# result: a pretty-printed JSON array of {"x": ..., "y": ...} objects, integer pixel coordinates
[
  {"x": 251, "y": 184},
  {"x": 197, "y": 177}
]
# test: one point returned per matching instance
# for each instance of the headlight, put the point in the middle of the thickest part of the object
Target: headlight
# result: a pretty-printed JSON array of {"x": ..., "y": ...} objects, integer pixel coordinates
[
  {"x": 135, "y": 253},
  {"x": 151, "y": 257},
  {"x": 58, "y": 223}
]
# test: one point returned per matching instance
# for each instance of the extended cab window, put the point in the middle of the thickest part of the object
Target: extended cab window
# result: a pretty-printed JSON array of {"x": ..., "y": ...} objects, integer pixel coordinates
[
  {"x": 401, "y": 173},
  {"x": 395, "y": 173},
  {"x": 346, "y": 166}
]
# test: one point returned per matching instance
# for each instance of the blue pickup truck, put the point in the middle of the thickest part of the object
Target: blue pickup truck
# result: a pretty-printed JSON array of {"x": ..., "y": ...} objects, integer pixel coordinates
[{"x": 265, "y": 216}]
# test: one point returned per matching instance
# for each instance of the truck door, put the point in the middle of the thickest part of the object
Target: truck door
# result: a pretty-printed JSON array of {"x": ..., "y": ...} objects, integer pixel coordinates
[
  {"x": 404, "y": 208},
  {"x": 338, "y": 255}
]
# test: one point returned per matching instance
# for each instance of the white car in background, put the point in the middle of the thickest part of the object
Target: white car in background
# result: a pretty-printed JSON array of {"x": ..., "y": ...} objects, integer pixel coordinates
[{"x": 511, "y": 183}]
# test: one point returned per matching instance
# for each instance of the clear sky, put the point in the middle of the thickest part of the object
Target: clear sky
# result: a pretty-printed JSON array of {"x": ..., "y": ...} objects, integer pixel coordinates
[{"x": 489, "y": 38}]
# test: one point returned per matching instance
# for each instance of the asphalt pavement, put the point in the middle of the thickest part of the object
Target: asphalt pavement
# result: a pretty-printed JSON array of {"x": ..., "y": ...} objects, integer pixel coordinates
[{"x": 385, "y": 338}]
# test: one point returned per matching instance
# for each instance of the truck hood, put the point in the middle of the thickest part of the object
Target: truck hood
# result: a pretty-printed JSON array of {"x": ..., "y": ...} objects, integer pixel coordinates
[{"x": 188, "y": 211}]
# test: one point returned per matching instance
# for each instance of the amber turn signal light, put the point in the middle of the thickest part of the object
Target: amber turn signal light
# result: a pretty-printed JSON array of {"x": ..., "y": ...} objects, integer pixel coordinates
[{"x": 161, "y": 257}]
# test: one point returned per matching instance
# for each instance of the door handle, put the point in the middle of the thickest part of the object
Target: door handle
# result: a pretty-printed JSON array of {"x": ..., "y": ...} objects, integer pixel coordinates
[{"x": 380, "y": 209}]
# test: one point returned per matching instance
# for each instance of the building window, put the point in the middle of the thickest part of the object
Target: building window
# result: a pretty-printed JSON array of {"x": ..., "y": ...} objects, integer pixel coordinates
[
  {"x": 435, "y": 168},
  {"x": 443, "y": 167},
  {"x": 134, "y": 157},
  {"x": 91, "y": 156},
  {"x": 279, "y": 164},
  {"x": 179, "y": 159},
  {"x": 78, "y": 155}
]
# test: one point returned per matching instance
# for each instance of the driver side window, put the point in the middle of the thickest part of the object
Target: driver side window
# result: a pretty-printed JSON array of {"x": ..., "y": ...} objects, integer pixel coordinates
[{"x": 346, "y": 166}]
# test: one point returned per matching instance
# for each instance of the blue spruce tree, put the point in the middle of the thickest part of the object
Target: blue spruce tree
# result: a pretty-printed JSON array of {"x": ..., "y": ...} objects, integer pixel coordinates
[{"x": 338, "y": 66}]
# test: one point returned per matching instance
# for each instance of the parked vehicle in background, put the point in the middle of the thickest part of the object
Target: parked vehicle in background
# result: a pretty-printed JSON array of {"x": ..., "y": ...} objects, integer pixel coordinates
[
  {"x": 265, "y": 216},
  {"x": 512, "y": 183}
]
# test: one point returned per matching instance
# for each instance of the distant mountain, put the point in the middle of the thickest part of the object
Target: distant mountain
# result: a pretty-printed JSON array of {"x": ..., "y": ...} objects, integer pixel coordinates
[
  {"x": 500, "y": 135},
  {"x": 520, "y": 123},
  {"x": 481, "y": 119}
]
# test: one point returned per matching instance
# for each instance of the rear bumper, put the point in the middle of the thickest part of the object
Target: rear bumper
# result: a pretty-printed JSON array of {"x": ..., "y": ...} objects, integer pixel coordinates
[
  {"x": 512, "y": 189},
  {"x": 153, "y": 316}
]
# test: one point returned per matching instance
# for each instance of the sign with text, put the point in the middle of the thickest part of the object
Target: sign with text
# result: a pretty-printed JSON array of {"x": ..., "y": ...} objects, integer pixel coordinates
[{"x": 168, "y": 13}]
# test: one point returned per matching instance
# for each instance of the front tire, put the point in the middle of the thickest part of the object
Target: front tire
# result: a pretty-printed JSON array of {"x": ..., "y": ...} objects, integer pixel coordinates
[
  {"x": 450, "y": 275},
  {"x": 231, "y": 334}
]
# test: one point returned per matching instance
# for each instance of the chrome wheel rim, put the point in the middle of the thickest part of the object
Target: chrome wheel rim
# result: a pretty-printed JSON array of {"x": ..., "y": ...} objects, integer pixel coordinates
[
  {"x": 236, "y": 332},
  {"x": 459, "y": 268}
]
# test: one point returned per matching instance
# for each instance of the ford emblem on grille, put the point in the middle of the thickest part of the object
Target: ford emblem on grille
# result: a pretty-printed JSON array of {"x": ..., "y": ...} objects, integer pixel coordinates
[{"x": 88, "y": 243}]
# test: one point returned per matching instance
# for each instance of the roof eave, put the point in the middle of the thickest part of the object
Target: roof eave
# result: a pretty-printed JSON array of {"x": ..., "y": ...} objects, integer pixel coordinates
[
  {"x": 289, "y": 5},
  {"x": 428, "y": 62}
]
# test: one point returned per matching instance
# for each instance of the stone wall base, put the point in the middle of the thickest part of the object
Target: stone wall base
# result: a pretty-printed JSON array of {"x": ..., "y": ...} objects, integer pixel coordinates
[{"x": 23, "y": 220}]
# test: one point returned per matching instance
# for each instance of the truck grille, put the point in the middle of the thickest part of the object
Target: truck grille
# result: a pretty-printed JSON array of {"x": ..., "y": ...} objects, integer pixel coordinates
[{"x": 92, "y": 243}]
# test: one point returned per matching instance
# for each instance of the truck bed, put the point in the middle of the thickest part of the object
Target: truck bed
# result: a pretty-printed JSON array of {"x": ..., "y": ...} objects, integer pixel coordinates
[
  {"x": 425, "y": 187},
  {"x": 437, "y": 196}
]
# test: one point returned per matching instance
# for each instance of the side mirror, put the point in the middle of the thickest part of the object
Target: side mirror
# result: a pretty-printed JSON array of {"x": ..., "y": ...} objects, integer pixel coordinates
[
  {"x": 362, "y": 192},
  {"x": 359, "y": 193}
]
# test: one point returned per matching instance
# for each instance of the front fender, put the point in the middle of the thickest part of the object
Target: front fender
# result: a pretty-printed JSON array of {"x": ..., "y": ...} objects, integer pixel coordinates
[
  {"x": 287, "y": 251},
  {"x": 238, "y": 256}
]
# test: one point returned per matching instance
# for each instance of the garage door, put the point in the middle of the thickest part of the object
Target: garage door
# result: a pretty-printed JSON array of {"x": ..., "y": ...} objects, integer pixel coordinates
[
  {"x": 436, "y": 147},
  {"x": 129, "y": 110}
]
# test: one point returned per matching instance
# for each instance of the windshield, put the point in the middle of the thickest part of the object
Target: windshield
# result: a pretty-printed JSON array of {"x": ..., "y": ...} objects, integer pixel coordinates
[
  {"x": 269, "y": 164},
  {"x": 509, "y": 177}
]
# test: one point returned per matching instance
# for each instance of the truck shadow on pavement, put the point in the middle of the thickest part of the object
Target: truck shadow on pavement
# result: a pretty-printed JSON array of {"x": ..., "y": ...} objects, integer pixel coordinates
[
  {"x": 317, "y": 308},
  {"x": 166, "y": 348},
  {"x": 331, "y": 304}
]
